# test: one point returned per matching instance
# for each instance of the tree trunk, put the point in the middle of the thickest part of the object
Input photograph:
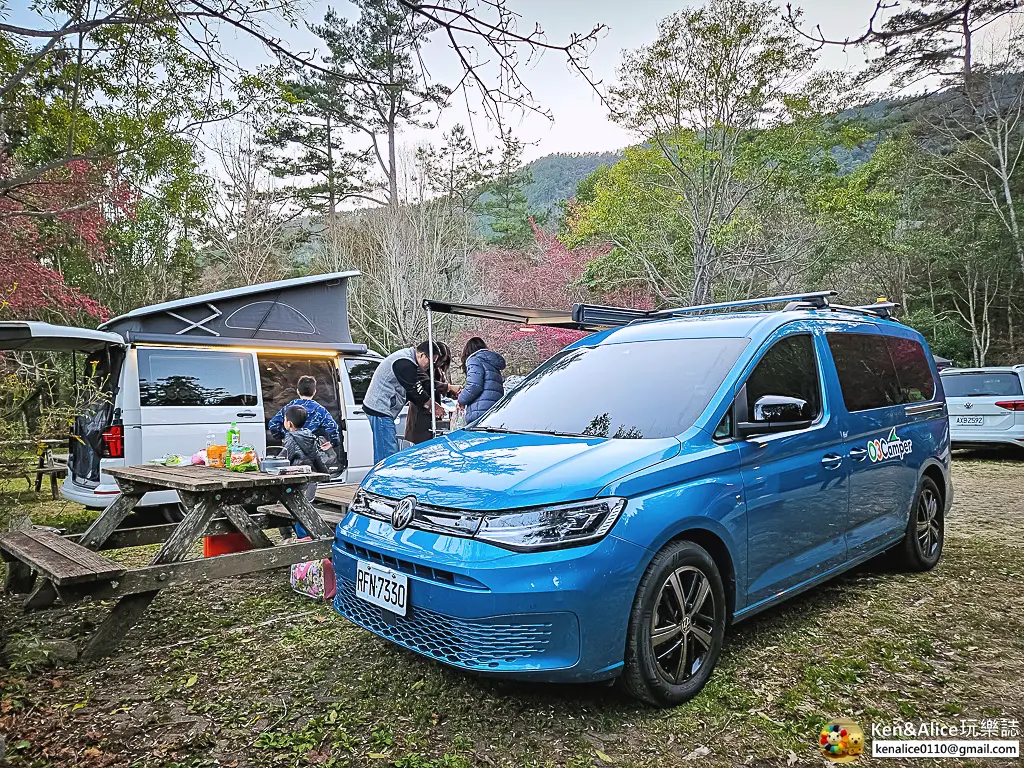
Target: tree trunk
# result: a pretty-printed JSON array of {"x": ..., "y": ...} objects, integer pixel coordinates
[
  {"x": 703, "y": 271},
  {"x": 967, "y": 49},
  {"x": 392, "y": 158},
  {"x": 332, "y": 200}
]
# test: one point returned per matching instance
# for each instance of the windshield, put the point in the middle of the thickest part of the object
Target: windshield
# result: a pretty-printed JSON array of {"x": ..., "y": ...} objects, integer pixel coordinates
[
  {"x": 981, "y": 384},
  {"x": 646, "y": 389}
]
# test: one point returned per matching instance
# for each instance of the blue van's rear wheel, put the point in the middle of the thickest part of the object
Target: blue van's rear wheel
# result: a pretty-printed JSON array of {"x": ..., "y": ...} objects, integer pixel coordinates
[
  {"x": 676, "y": 626},
  {"x": 922, "y": 545}
]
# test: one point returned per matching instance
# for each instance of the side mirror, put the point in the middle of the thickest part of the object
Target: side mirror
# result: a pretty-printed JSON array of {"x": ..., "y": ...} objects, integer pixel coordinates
[{"x": 774, "y": 414}]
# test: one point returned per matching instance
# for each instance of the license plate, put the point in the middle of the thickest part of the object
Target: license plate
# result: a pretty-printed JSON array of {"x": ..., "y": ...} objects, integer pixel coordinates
[
  {"x": 382, "y": 586},
  {"x": 968, "y": 421}
]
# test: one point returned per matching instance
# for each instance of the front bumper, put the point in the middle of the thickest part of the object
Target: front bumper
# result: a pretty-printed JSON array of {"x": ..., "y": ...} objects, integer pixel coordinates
[
  {"x": 965, "y": 437},
  {"x": 548, "y": 616}
]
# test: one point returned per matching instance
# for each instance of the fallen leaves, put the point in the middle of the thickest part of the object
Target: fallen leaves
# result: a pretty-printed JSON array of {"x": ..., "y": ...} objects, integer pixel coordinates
[{"x": 698, "y": 753}]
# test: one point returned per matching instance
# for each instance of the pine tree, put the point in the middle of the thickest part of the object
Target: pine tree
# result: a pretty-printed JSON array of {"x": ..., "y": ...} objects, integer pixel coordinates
[
  {"x": 506, "y": 203},
  {"x": 386, "y": 88}
]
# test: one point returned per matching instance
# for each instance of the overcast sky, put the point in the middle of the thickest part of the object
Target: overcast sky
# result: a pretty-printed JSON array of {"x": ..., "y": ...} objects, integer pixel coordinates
[{"x": 580, "y": 121}]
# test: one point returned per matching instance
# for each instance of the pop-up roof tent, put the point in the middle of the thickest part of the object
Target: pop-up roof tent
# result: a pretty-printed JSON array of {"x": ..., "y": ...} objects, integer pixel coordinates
[{"x": 302, "y": 312}]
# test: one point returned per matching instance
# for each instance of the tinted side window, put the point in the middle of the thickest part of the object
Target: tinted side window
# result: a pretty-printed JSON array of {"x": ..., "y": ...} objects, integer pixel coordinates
[
  {"x": 359, "y": 374},
  {"x": 788, "y": 368},
  {"x": 193, "y": 377},
  {"x": 867, "y": 376},
  {"x": 912, "y": 369}
]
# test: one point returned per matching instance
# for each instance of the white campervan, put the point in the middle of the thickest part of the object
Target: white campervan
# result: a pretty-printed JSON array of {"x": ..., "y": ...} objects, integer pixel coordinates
[{"x": 168, "y": 375}]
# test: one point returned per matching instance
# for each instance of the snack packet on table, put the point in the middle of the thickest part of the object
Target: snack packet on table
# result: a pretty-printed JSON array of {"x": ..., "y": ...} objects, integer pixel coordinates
[
  {"x": 242, "y": 458},
  {"x": 215, "y": 455}
]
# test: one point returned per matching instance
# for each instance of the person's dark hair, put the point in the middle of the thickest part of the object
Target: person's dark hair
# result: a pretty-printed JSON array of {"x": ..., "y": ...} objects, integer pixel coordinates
[
  {"x": 306, "y": 386},
  {"x": 423, "y": 346},
  {"x": 475, "y": 344},
  {"x": 444, "y": 356},
  {"x": 296, "y": 414}
]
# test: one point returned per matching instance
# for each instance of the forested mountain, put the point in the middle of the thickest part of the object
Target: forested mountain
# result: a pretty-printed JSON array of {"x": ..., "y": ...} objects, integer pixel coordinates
[{"x": 555, "y": 177}]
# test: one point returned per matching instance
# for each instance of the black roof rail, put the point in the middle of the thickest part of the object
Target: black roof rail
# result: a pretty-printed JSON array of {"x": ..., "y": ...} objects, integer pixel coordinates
[
  {"x": 881, "y": 309},
  {"x": 596, "y": 314}
]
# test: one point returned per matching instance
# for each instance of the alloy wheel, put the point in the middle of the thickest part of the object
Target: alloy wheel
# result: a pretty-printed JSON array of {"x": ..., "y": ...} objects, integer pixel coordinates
[
  {"x": 682, "y": 624},
  {"x": 928, "y": 522}
]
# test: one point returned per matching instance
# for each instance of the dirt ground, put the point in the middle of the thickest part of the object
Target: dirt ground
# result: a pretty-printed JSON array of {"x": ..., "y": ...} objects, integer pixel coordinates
[{"x": 246, "y": 673}]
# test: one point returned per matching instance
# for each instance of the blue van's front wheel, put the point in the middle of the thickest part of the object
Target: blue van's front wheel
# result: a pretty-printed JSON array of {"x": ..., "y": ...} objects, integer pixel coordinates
[{"x": 676, "y": 626}]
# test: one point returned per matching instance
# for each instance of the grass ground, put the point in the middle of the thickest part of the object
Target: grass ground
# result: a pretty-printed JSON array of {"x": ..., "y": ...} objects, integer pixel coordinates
[{"x": 246, "y": 673}]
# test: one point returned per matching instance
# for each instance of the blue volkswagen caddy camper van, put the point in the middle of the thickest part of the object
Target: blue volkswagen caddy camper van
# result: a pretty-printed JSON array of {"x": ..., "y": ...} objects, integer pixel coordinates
[{"x": 647, "y": 486}]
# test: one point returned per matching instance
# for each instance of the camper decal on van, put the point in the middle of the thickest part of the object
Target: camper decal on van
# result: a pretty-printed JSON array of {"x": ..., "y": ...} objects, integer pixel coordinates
[{"x": 892, "y": 447}]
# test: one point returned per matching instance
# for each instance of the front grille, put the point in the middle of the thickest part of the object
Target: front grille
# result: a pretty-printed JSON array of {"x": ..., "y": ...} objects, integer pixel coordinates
[
  {"x": 453, "y": 522},
  {"x": 479, "y": 644},
  {"x": 423, "y": 571}
]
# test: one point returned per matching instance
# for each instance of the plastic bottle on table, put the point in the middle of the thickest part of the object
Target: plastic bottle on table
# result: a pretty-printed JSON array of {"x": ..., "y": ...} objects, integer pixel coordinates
[{"x": 234, "y": 437}]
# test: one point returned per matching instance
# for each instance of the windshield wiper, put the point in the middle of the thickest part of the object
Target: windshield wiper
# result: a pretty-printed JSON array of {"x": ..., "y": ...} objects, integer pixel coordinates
[
  {"x": 555, "y": 433},
  {"x": 495, "y": 430}
]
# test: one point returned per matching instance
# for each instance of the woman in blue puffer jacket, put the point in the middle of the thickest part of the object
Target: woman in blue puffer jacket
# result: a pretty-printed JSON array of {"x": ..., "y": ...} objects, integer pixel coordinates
[{"x": 484, "y": 386}]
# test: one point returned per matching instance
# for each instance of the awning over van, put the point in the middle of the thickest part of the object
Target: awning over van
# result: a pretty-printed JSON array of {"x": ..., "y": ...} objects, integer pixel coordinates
[
  {"x": 553, "y": 318},
  {"x": 32, "y": 336}
]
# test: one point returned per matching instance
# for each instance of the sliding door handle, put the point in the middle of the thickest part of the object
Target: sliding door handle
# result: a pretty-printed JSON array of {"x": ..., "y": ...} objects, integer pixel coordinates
[
  {"x": 831, "y": 461},
  {"x": 858, "y": 454}
]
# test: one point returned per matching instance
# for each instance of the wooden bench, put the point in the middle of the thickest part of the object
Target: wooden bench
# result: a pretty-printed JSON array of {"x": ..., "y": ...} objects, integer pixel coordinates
[
  {"x": 337, "y": 499},
  {"x": 60, "y": 562}
]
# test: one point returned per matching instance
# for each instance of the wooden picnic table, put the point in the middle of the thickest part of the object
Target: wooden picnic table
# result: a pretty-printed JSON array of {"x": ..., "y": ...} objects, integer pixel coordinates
[
  {"x": 71, "y": 568},
  {"x": 43, "y": 460}
]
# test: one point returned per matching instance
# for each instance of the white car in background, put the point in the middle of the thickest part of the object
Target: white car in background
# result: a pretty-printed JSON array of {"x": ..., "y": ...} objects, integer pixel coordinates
[{"x": 986, "y": 405}]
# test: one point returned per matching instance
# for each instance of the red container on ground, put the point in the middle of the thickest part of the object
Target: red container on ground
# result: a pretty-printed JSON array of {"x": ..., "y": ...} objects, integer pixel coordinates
[{"x": 225, "y": 544}]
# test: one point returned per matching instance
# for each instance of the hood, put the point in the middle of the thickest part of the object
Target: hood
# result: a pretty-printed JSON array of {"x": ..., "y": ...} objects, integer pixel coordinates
[
  {"x": 489, "y": 357},
  {"x": 481, "y": 470},
  {"x": 305, "y": 439}
]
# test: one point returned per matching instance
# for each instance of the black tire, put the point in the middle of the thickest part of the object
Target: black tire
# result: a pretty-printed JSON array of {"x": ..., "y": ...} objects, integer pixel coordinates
[
  {"x": 173, "y": 513},
  {"x": 922, "y": 544},
  {"x": 646, "y": 676}
]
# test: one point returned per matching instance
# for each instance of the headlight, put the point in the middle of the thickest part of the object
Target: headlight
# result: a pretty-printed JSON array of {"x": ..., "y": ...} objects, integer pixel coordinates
[{"x": 565, "y": 525}]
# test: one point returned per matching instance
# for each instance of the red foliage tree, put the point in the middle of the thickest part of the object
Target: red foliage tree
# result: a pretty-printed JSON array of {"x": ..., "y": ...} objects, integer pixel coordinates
[
  {"x": 66, "y": 209},
  {"x": 547, "y": 276}
]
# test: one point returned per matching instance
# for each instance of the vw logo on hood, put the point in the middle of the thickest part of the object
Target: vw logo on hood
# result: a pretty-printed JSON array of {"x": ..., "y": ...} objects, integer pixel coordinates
[
  {"x": 968, "y": 405},
  {"x": 402, "y": 514}
]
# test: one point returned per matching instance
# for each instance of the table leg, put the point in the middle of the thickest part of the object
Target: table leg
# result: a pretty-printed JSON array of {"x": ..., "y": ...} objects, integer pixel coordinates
[
  {"x": 42, "y": 463},
  {"x": 20, "y": 578},
  {"x": 129, "y": 609},
  {"x": 245, "y": 525},
  {"x": 123, "y": 617},
  {"x": 43, "y": 596},
  {"x": 296, "y": 503},
  {"x": 110, "y": 518},
  {"x": 54, "y": 491}
]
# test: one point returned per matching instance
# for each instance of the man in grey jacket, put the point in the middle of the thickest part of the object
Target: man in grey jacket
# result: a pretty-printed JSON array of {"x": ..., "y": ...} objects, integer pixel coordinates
[{"x": 394, "y": 383}]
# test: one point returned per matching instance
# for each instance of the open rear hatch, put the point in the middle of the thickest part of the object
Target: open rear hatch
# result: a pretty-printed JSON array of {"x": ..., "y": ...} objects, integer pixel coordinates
[{"x": 95, "y": 431}]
